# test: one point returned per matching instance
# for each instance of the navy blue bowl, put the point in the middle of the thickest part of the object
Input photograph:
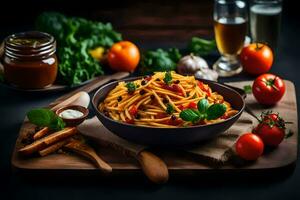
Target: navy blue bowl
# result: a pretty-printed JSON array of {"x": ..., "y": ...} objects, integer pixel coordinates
[{"x": 170, "y": 137}]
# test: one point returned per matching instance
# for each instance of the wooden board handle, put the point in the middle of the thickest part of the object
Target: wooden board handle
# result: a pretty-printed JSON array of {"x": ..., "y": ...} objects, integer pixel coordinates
[{"x": 154, "y": 168}]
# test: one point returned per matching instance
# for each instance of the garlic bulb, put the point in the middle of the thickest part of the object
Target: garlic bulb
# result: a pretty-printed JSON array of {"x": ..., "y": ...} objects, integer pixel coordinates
[
  {"x": 82, "y": 100},
  {"x": 207, "y": 74},
  {"x": 190, "y": 64}
]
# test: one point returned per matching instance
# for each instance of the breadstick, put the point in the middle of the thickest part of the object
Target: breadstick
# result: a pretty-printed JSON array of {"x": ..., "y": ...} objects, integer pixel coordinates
[
  {"x": 53, "y": 148},
  {"x": 41, "y": 133},
  {"x": 48, "y": 140}
]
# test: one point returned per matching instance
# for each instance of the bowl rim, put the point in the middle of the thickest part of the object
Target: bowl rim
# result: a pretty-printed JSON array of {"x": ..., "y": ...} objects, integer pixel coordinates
[
  {"x": 95, "y": 106},
  {"x": 74, "y": 107}
]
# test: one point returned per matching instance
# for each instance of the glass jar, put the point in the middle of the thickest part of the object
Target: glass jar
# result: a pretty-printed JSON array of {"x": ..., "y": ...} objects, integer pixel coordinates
[{"x": 29, "y": 59}]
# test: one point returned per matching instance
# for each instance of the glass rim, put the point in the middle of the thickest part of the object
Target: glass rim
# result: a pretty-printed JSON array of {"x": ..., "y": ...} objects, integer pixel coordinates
[
  {"x": 266, "y": 1},
  {"x": 229, "y": 1}
]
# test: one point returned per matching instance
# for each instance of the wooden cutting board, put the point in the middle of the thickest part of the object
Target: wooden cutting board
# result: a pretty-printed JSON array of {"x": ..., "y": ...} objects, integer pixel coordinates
[{"x": 178, "y": 162}]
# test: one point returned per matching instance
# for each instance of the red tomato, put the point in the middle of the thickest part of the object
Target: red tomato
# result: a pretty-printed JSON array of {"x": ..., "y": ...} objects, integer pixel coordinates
[
  {"x": 249, "y": 146},
  {"x": 256, "y": 58},
  {"x": 192, "y": 105},
  {"x": 175, "y": 122},
  {"x": 161, "y": 115},
  {"x": 129, "y": 121},
  {"x": 204, "y": 88},
  {"x": 133, "y": 110},
  {"x": 271, "y": 135},
  {"x": 181, "y": 107},
  {"x": 272, "y": 116},
  {"x": 173, "y": 88},
  {"x": 268, "y": 89},
  {"x": 123, "y": 56},
  {"x": 148, "y": 78},
  {"x": 225, "y": 116}
]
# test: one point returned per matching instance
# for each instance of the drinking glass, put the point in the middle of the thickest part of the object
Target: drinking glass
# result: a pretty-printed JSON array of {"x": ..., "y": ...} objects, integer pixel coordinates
[
  {"x": 230, "y": 25},
  {"x": 265, "y": 20}
]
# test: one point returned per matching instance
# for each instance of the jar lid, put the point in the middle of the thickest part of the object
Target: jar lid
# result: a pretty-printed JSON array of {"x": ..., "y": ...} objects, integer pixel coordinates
[{"x": 32, "y": 44}]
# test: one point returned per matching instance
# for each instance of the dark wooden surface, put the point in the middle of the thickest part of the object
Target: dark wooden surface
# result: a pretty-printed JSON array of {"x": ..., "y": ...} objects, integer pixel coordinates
[
  {"x": 178, "y": 162},
  {"x": 146, "y": 22},
  {"x": 18, "y": 16}
]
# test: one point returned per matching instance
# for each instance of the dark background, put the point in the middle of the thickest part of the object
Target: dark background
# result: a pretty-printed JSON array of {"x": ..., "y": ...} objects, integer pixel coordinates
[{"x": 150, "y": 24}]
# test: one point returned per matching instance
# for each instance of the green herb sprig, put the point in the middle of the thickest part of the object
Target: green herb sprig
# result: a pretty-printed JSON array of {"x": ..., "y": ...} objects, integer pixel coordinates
[
  {"x": 201, "y": 47},
  {"x": 159, "y": 60},
  {"x": 204, "y": 111},
  {"x": 170, "y": 109},
  {"x": 247, "y": 89},
  {"x": 168, "y": 78},
  {"x": 131, "y": 87},
  {"x": 46, "y": 118}
]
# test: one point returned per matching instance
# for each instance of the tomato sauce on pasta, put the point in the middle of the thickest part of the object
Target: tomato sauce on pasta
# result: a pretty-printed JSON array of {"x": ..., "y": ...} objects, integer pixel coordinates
[{"x": 157, "y": 100}]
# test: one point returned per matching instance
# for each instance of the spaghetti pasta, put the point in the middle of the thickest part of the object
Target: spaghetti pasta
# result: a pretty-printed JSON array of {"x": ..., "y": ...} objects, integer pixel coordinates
[{"x": 156, "y": 102}]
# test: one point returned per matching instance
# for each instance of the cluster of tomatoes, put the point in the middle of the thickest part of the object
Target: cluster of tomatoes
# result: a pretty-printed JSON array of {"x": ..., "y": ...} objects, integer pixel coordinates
[
  {"x": 268, "y": 89},
  {"x": 257, "y": 59},
  {"x": 269, "y": 132}
]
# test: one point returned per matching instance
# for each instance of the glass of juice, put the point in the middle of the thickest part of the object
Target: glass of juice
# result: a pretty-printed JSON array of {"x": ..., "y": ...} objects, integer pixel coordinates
[
  {"x": 230, "y": 25},
  {"x": 265, "y": 20}
]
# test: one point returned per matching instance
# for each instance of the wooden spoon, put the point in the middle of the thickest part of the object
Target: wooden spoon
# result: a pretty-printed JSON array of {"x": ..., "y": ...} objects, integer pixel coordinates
[{"x": 88, "y": 152}]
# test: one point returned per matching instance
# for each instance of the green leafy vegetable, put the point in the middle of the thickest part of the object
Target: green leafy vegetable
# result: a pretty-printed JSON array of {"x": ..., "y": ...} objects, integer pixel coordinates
[
  {"x": 190, "y": 115},
  {"x": 45, "y": 118},
  {"x": 131, "y": 87},
  {"x": 248, "y": 89},
  {"x": 215, "y": 111},
  {"x": 202, "y": 105},
  {"x": 75, "y": 38},
  {"x": 168, "y": 78},
  {"x": 201, "y": 47},
  {"x": 170, "y": 109},
  {"x": 160, "y": 60},
  {"x": 205, "y": 111}
]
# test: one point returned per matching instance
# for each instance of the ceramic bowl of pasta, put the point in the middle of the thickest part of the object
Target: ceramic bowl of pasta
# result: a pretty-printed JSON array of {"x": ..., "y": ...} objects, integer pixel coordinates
[{"x": 167, "y": 109}]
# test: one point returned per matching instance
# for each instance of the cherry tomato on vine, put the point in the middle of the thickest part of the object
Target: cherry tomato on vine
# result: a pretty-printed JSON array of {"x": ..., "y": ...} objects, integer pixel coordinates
[
  {"x": 272, "y": 116},
  {"x": 271, "y": 128},
  {"x": 271, "y": 135}
]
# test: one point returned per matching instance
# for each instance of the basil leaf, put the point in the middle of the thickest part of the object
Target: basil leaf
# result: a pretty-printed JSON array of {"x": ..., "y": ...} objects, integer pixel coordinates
[
  {"x": 41, "y": 117},
  {"x": 57, "y": 124},
  {"x": 215, "y": 111},
  {"x": 202, "y": 105},
  {"x": 189, "y": 115},
  {"x": 170, "y": 109},
  {"x": 168, "y": 78},
  {"x": 46, "y": 118}
]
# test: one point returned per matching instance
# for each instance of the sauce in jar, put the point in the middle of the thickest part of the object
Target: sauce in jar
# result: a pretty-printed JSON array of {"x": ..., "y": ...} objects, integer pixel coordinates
[{"x": 29, "y": 59}]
